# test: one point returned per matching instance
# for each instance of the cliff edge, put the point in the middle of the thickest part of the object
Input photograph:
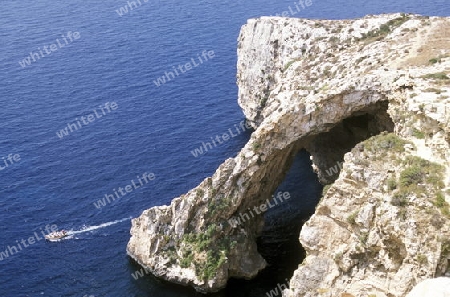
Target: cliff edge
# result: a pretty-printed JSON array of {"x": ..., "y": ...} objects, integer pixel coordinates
[{"x": 372, "y": 94}]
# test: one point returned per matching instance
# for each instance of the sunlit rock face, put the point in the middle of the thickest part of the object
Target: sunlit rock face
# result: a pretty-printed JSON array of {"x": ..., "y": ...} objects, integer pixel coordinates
[
  {"x": 438, "y": 287},
  {"x": 362, "y": 97}
]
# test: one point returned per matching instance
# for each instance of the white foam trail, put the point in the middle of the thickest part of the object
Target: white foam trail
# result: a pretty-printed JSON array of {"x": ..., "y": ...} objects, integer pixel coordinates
[{"x": 92, "y": 228}]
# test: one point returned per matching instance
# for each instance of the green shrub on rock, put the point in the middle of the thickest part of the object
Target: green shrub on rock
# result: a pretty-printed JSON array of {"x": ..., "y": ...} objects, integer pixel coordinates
[{"x": 207, "y": 251}]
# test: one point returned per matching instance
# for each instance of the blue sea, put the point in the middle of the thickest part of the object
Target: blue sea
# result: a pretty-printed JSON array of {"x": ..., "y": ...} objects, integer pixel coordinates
[{"x": 51, "y": 180}]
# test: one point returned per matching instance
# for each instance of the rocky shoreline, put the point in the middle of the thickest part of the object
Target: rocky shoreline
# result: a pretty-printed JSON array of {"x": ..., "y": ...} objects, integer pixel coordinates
[{"x": 370, "y": 95}]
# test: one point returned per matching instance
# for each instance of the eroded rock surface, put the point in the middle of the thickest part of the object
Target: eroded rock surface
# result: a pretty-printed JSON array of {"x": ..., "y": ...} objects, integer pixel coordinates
[{"x": 370, "y": 93}]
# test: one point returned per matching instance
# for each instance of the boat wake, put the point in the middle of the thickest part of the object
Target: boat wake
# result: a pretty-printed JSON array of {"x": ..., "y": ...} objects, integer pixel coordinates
[{"x": 85, "y": 229}]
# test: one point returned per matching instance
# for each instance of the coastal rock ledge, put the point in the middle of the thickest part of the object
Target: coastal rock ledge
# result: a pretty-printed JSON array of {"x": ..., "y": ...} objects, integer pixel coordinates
[{"x": 373, "y": 93}]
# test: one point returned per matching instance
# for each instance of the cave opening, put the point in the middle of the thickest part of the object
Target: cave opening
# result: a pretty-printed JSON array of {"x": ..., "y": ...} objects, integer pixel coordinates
[
  {"x": 328, "y": 148},
  {"x": 318, "y": 162},
  {"x": 278, "y": 242}
]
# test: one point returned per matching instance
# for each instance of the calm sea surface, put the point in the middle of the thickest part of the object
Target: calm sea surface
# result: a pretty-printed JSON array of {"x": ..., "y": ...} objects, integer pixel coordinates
[{"x": 112, "y": 58}]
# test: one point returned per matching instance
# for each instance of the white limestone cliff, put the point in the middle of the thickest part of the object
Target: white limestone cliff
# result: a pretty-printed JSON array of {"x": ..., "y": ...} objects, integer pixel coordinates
[{"x": 372, "y": 92}]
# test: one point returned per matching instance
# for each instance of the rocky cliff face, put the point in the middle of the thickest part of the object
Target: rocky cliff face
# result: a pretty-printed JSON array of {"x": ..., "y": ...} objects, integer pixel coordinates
[{"x": 372, "y": 93}]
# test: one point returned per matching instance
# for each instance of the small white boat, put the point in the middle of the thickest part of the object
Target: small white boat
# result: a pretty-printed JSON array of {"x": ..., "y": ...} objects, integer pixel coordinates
[{"x": 57, "y": 235}]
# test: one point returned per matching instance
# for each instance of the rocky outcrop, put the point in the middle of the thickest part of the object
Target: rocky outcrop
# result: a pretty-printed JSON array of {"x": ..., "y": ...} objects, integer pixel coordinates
[
  {"x": 376, "y": 232},
  {"x": 370, "y": 93},
  {"x": 438, "y": 287}
]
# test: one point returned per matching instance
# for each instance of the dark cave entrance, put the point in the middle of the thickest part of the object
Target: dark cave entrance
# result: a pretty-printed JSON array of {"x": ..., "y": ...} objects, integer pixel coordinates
[
  {"x": 328, "y": 148},
  {"x": 279, "y": 241}
]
